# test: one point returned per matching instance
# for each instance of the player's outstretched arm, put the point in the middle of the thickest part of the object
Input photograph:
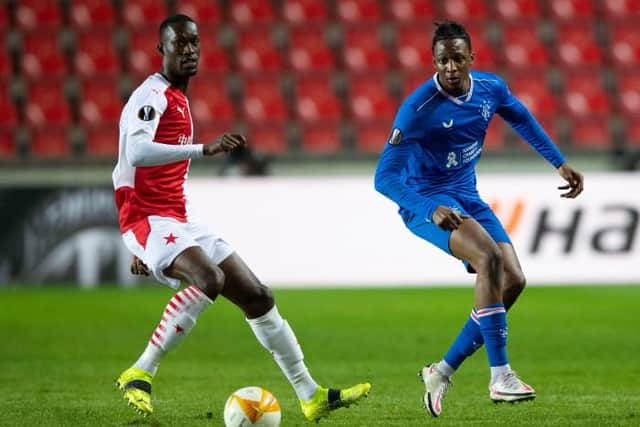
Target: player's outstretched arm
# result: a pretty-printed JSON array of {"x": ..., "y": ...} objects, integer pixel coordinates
[
  {"x": 575, "y": 181},
  {"x": 224, "y": 144}
]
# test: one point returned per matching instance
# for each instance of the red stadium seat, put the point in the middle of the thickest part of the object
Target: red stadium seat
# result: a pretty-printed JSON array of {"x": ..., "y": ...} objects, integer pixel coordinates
[
  {"x": 484, "y": 56},
  {"x": 518, "y": 10},
  {"x": 302, "y": 12},
  {"x": 411, "y": 81},
  {"x": 102, "y": 141},
  {"x": 7, "y": 143},
  {"x": 95, "y": 54},
  {"x": 372, "y": 137},
  {"x": 92, "y": 13},
  {"x": 268, "y": 138},
  {"x": 263, "y": 101},
  {"x": 622, "y": 10},
  {"x": 466, "y": 10},
  {"x": 585, "y": 97},
  {"x": 32, "y": 14},
  {"x": 358, "y": 11},
  {"x": 139, "y": 13},
  {"x": 534, "y": 93},
  {"x": 256, "y": 52},
  {"x": 408, "y": 11},
  {"x": 590, "y": 134},
  {"x": 46, "y": 103},
  {"x": 4, "y": 17},
  {"x": 49, "y": 142},
  {"x": 625, "y": 45},
  {"x": 212, "y": 56},
  {"x": 5, "y": 61},
  {"x": 369, "y": 99},
  {"x": 251, "y": 12},
  {"x": 101, "y": 102},
  {"x": 144, "y": 59},
  {"x": 362, "y": 49},
  {"x": 629, "y": 93},
  {"x": 577, "y": 46},
  {"x": 42, "y": 55},
  {"x": 205, "y": 12},
  {"x": 208, "y": 99},
  {"x": 308, "y": 50},
  {"x": 572, "y": 10},
  {"x": 632, "y": 131},
  {"x": 321, "y": 138},
  {"x": 8, "y": 113},
  {"x": 522, "y": 48},
  {"x": 495, "y": 138},
  {"x": 315, "y": 100},
  {"x": 413, "y": 47},
  {"x": 206, "y": 132}
]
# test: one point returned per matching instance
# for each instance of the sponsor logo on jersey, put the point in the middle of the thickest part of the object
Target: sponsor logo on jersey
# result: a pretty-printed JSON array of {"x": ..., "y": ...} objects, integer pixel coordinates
[
  {"x": 185, "y": 140},
  {"x": 147, "y": 113},
  {"x": 396, "y": 137},
  {"x": 447, "y": 125}
]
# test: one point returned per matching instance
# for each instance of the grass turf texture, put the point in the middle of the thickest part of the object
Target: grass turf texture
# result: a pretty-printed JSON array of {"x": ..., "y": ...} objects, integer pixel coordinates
[{"x": 62, "y": 349}]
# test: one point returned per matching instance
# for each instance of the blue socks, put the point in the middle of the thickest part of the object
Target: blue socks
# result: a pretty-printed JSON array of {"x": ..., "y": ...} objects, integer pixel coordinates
[
  {"x": 466, "y": 343},
  {"x": 493, "y": 325},
  {"x": 485, "y": 326}
]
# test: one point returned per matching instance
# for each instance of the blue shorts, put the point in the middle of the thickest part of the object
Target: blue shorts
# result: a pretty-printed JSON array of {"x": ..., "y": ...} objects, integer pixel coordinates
[{"x": 474, "y": 207}]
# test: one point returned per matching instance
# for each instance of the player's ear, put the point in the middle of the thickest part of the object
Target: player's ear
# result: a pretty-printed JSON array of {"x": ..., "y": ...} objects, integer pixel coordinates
[{"x": 160, "y": 48}]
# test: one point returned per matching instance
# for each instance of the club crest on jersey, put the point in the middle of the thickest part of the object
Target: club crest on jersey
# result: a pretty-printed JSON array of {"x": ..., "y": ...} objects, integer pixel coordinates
[
  {"x": 147, "y": 113},
  {"x": 452, "y": 161},
  {"x": 485, "y": 110},
  {"x": 396, "y": 137}
]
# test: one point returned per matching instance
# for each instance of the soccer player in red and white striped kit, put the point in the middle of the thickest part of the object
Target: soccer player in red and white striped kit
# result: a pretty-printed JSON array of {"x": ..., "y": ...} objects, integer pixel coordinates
[{"x": 155, "y": 149}]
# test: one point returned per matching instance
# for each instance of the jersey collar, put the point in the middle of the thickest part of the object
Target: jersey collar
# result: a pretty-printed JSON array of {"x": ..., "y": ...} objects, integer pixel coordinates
[{"x": 454, "y": 99}]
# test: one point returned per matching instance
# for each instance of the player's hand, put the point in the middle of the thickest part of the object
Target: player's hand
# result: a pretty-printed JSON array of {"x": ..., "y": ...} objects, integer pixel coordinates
[
  {"x": 224, "y": 144},
  {"x": 138, "y": 267},
  {"x": 575, "y": 181},
  {"x": 447, "y": 218}
]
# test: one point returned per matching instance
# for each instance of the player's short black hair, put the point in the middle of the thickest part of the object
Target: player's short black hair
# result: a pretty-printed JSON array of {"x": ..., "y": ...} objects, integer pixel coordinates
[
  {"x": 174, "y": 20},
  {"x": 448, "y": 30}
]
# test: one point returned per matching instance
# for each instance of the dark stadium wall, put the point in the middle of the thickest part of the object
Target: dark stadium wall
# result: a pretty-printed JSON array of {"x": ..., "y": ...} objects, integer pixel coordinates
[{"x": 61, "y": 235}]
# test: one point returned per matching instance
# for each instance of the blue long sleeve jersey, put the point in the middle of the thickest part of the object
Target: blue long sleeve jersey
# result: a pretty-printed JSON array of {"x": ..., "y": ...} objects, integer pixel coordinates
[{"x": 437, "y": 139}]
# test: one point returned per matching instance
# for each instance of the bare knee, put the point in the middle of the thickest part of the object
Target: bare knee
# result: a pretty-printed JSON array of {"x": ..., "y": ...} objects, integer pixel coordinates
[
  {"x": 258, "y": 302},
  {"x": 491, "y": 263},
  {"x": 516, "y": 281},
  {"x": 210, "y": 279}
]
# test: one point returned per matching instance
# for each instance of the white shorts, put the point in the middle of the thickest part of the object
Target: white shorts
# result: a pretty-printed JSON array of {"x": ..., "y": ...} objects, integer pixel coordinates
[{"x": 158, "y": 240}]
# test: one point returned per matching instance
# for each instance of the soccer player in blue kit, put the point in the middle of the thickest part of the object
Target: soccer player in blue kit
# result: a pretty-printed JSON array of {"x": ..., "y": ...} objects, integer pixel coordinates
[{"x": 428, "y": 168}]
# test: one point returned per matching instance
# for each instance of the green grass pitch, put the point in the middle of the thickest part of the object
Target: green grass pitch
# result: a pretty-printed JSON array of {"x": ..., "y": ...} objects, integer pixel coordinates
[{"x": 61, "y": 349}]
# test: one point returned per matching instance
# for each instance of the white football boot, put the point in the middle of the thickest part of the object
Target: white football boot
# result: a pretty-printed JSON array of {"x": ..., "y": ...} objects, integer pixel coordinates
[
  {"x": 436, "y": 386},
  {"x": 510, "y": 388}
]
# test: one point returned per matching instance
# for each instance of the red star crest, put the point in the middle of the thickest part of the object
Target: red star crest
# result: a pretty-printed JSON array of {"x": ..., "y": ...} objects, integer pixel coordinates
[
  {"x": 179, "y": 329},
  {"x": 170, "y": 238}
]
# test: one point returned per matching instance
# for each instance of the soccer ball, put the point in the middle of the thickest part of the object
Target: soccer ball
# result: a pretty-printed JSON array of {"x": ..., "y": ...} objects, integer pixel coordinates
[{"x": 252, "y": 406}]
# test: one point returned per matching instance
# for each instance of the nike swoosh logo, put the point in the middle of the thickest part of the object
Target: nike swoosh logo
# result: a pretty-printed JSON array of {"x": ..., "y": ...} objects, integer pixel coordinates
[{"x": 447, "y": 125}]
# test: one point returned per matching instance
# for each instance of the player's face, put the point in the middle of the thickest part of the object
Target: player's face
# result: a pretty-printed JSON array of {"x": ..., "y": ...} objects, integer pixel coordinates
[
  {"x": 453, "y": 60},
  {"x": 181, "y": 49}
]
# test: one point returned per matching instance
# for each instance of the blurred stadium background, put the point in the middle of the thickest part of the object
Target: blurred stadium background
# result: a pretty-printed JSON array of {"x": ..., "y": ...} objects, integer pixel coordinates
[{"x": 314, "y": 84}]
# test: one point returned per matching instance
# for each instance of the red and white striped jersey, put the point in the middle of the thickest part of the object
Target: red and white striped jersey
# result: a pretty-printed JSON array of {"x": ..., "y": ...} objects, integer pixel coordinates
[{"x": 156, "y": 113}]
